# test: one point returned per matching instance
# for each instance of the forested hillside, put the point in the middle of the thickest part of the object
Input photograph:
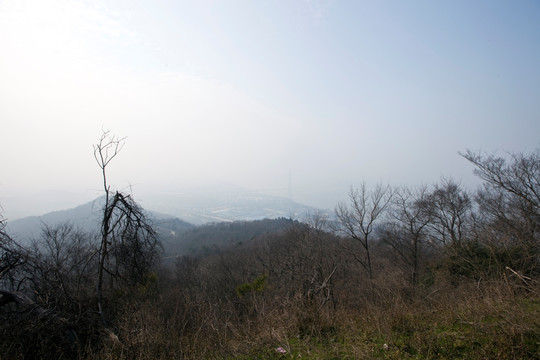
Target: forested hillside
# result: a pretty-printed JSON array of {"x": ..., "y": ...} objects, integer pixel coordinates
[
  {"x": 426, "y": 272},
  {"x": 215, "y": 237}
]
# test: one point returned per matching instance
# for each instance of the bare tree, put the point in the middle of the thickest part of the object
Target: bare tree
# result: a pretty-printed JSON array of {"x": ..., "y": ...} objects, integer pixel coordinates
[
  {"x": 520, "y": 176},
  {"x": 509, "y": 202},
  {"x": 406, "y": 233},
  {"x": 357, "y": 219},
  {"x": 12, "y": 256},
  {"x": 61, "y": 268},
  {"x": 450, "y": 209},
  {"x": 129, "y": 245},
  {"x": 511, "y": 192}
]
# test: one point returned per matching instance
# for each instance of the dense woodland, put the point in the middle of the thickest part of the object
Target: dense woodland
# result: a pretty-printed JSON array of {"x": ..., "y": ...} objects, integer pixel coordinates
[{"x": 428, "y": 272}]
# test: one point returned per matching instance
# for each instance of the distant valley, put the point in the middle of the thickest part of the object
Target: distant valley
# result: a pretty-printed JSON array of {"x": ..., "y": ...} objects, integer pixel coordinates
[{"x": 188, "y": 208}]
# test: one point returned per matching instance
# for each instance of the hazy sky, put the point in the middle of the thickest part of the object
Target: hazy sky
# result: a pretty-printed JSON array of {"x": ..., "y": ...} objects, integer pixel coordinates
[{"x": 258, "y": 93}]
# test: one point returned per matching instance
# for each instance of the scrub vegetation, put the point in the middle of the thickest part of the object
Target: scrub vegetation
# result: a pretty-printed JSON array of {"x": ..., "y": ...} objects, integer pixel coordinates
[{"x": 431, "y": 272}]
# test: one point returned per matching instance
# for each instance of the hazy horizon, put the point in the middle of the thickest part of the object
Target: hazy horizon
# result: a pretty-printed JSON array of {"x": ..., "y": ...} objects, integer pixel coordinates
[{"x": 299, "y": 99}]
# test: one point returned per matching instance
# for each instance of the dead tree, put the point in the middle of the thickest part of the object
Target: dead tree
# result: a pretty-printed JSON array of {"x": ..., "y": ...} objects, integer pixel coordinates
[{"x": 129, "y": 245}]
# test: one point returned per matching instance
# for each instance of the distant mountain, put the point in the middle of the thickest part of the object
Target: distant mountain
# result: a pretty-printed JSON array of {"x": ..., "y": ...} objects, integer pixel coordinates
[
  {"x": 83, "y": 216},
  {"x": 196, "y": 206},
  {"x": 224, "y": 203},
  {"x": 39, "y": 203},
  {"x": 86, "y": 217}
]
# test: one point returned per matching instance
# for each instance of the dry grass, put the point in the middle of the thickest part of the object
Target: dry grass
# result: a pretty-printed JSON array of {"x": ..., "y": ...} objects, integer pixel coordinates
[{"x": 473, "y": 321}]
